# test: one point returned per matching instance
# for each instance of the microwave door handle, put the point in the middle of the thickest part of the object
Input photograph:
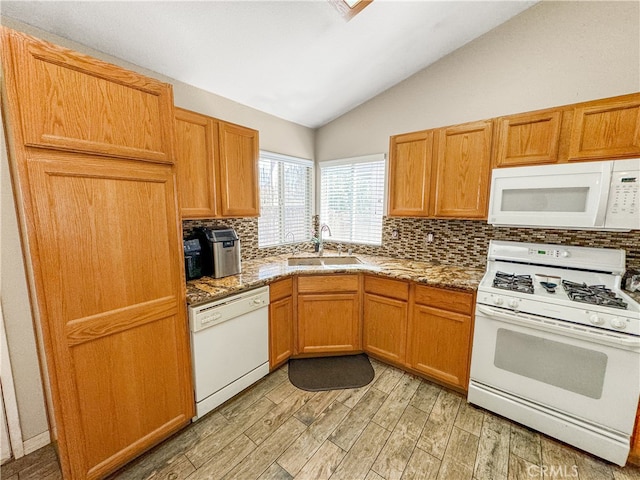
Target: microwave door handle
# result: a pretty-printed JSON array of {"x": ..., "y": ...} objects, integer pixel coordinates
[{"x": 603, "y": 194}]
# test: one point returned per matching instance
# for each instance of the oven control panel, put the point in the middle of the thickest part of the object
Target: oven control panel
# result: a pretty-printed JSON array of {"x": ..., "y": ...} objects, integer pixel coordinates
[{"x": 611, "y": 320}]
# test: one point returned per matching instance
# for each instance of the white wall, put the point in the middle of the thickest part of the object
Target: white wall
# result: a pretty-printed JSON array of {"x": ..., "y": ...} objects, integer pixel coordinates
[
  {"x": 17, "y": 316},
  {"x": 555, "y": 53}
]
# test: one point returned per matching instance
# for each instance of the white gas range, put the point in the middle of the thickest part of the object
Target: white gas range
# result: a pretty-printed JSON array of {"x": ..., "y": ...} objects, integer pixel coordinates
[{"x": 557, "y": 344}]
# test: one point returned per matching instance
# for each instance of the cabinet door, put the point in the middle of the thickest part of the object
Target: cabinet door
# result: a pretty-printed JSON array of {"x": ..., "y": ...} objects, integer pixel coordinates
[
  {"x": 239, "y": 152},
  {"x": 329, "y": 323},
  {"x": 195, "y": 164},
  {"x": 385, "y": 327},
  {"x": 281, "y": 322},
  {"x": 107, "y": 263},
  {"x": 69, "y": 101},
  {"x": 463, "y": 169},
  {"x": 606, "y": 129},
  {"x": 528, "y": 139},
  {"x": 410, "y": 159},
  {"x": 440, "y": 344}
]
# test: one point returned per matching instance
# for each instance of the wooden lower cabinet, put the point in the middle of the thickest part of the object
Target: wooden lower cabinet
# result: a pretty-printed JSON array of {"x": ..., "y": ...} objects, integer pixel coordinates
[
  {"x": 385, "y": 318},
  {"x": 634, "y": 455},
  {"x": 329, "y": 314},
  {"x": 440, "y": 339},
  {"x": 281, "y": 322}
]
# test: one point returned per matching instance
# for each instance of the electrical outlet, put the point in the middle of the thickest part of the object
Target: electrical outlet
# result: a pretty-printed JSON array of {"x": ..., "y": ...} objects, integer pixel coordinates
[
  {"x": 395, "y": 234},
  {"x": 428, "y": 238}
]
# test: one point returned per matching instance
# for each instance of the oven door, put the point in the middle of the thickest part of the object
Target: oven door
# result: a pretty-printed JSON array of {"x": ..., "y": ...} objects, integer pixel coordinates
[{"x": 584, "y": 372}]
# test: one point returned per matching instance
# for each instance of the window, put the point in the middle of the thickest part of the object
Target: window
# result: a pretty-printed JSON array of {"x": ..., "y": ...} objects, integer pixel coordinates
[
  {"x": 285, "y": 199},
  {"x": 352, "y": 198}
]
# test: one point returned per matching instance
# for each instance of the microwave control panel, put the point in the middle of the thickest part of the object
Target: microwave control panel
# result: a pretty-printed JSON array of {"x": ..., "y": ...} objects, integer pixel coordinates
[{"x": 623, "y": 207}]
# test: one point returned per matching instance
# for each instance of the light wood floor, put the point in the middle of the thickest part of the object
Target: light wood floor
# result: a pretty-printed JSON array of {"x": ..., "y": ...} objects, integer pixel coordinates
[{"x": 397, "y": 427}]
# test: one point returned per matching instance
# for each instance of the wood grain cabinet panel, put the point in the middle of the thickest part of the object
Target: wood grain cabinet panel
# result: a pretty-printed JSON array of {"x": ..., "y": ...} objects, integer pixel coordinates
[
  {"x": 329, "y": 318},
  {"x": 105, "y": 249},
  {"x": 196, "y": 164},
  {"x": 440, "y": 344},
  {"x": 440, "y": 334},
  {"x": 463, "y": 169},
  {"x": 73, "y": 102},
  {"x": 281, "y": 322},
  {"x": 115, "y": 320},
  {"x": 634, "y": 454},
  {"x": 606, "y": 129},
  {"x": 410, "y": 159},
  {"x": 385, "y": 307},
  {"x": 528, "y": 139},
  {"x": 385, "y": 327},
  {"x": 239, "y": 152}
]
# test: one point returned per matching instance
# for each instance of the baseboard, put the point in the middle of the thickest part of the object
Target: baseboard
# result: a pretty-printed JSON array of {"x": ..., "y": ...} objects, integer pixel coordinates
[{"x": 37, "y": 442}]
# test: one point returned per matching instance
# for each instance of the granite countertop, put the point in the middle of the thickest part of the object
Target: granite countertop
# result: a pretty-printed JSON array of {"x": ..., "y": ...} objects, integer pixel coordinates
[{"x": 262, "y": 271}]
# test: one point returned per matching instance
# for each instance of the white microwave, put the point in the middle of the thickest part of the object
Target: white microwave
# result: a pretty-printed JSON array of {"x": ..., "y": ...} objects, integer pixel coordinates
[{"x": 582, "y": 196}]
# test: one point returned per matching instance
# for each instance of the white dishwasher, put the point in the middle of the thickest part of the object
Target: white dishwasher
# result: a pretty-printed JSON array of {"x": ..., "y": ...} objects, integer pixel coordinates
[{"x": 229, "y": 346}]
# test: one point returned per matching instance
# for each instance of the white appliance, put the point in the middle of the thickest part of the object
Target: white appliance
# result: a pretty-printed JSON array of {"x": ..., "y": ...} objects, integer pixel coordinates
[
  {"x": 556, "y": 344},
  {"x": 586, "y": 195},
  {"x": 229, "y": 346}
]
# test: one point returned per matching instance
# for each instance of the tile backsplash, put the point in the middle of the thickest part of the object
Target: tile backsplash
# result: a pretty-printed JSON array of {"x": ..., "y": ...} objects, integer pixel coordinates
[{"x": 455, "y": 242}]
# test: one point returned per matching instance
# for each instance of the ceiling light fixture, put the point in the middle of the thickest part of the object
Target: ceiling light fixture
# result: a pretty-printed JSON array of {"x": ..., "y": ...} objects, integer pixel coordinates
[{"x": 349, "y": 8}]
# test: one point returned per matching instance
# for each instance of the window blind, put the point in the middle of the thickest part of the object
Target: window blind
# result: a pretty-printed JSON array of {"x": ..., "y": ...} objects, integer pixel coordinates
[
  {"x": 352, "y": 198},
  {"x": 285, "y": 199}
]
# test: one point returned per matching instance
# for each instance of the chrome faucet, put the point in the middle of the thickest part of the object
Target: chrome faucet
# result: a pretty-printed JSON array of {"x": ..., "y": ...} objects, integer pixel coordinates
[{"x": 323, "y": 227}]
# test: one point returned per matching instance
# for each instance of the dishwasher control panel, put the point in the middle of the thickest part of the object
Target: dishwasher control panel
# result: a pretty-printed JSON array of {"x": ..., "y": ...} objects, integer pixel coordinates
[{"x": 219, "y": 311}]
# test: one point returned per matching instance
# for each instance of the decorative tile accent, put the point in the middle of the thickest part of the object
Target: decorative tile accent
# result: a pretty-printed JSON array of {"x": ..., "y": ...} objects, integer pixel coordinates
[{"x": 455, "y": 242}]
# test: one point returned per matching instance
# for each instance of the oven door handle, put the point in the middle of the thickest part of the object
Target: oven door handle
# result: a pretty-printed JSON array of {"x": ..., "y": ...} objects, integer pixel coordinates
[{"x": 563, "y": 328}]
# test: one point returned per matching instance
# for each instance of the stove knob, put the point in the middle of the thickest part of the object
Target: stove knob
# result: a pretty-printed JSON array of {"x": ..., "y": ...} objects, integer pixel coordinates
[
  {"x": 513, "y": 303},
  {"x": 596, "y": 320},
  {"x": 498, "y": 300},
  {"x": 565, "y": 254},
  {"x": 618, "y": 323}
]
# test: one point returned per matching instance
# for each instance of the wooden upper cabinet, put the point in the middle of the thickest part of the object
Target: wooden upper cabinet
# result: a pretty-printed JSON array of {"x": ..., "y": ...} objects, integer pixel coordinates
[
  {"x": 217, "y": 167},
  {"x": 73, "y": 102},
  {"x": 195, "y": 164},
  {"x": 239, "y": 153},
  {"x": 462, "y": 171},
  {"x": 410, "y": 160},
  {"x": 606, "y": 129},
  {"x": 528, "y": 139}
]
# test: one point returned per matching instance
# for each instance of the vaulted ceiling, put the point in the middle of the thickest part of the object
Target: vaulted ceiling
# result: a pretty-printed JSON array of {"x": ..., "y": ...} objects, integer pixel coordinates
[{"x": 298, "y": 60}]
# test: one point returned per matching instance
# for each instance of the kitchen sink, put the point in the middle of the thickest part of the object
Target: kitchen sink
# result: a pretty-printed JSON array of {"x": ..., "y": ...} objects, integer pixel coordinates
[
  {"x": 321, "y": 261},
  {"x": 341, "y": 260},
  {"x": 295, "y": 262}
]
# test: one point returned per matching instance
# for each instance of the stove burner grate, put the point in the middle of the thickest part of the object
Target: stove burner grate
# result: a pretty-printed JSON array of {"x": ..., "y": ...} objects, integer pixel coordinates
[
  {"x": 516, "y": 283},
  {"x": 593, "y": 294}
]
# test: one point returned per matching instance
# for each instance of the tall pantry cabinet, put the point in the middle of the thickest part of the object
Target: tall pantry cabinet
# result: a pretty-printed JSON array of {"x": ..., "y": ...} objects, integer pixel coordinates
[{"x": 91, "y": 149}]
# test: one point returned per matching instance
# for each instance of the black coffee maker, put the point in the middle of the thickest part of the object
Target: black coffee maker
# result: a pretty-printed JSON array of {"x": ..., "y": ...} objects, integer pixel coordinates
[{"x": 193, "y": 261}]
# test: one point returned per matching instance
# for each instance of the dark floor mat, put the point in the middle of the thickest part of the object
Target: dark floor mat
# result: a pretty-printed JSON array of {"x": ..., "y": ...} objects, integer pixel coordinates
[{"x": 331, "y": 373}]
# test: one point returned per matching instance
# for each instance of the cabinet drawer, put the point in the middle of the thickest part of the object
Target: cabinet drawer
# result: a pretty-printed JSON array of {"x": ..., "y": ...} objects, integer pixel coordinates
[
  {"x": 328, "y": 283},
  {"x": 386, "y": 287},
  {"x": 280, "y": 289},
  {"x": 445, "y": 299}
]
